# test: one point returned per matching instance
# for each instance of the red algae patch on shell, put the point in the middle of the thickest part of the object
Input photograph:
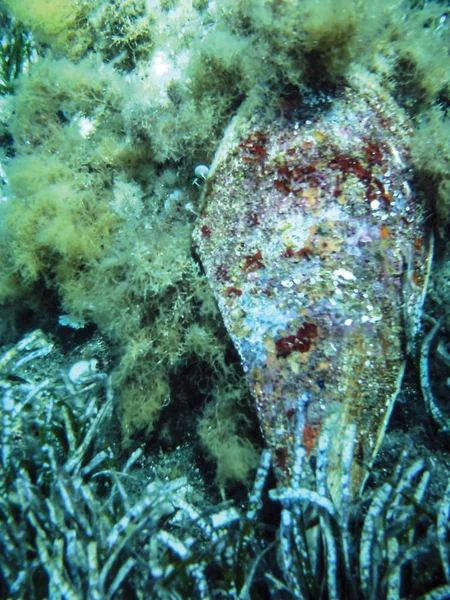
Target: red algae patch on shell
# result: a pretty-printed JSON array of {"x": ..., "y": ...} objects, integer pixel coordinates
[{"x": 313, "y": 244}]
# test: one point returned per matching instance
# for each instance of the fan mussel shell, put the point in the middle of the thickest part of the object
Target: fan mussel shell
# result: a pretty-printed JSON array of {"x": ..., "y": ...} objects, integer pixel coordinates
[{"x": 314, "y": 245}]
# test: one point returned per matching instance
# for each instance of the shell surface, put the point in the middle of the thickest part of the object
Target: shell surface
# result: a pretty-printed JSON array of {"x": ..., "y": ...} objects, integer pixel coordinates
[{"x": 314, "y": 246}]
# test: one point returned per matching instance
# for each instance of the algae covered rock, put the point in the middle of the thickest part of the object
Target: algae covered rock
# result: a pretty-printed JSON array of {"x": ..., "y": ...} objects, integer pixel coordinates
[{"x": 314, "y": 244}]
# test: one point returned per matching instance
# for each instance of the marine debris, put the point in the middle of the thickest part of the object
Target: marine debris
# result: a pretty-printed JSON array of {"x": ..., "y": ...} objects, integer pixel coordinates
[{"x": 313, "y": 242}]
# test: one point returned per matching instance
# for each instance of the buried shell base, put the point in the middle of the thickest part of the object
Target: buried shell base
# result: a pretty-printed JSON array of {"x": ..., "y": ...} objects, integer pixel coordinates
[{"x": 314, "y": 245}]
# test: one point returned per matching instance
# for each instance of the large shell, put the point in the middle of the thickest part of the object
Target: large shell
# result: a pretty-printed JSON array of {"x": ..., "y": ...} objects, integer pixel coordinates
[{"x": 313, "y": 243}]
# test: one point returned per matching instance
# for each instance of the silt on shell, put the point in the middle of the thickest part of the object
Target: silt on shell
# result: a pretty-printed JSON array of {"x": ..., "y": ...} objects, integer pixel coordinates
[{"x": 314, "y": 245}]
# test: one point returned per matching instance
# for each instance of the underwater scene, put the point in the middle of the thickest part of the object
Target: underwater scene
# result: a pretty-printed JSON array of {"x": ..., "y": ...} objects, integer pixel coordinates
[{"x": 224, "y": 299}]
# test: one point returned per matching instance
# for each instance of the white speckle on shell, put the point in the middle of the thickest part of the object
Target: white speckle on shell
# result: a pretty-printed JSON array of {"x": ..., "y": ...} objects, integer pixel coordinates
[
  {"x": 287, "y": 283},
  {"x": 344, "y": 274}
]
